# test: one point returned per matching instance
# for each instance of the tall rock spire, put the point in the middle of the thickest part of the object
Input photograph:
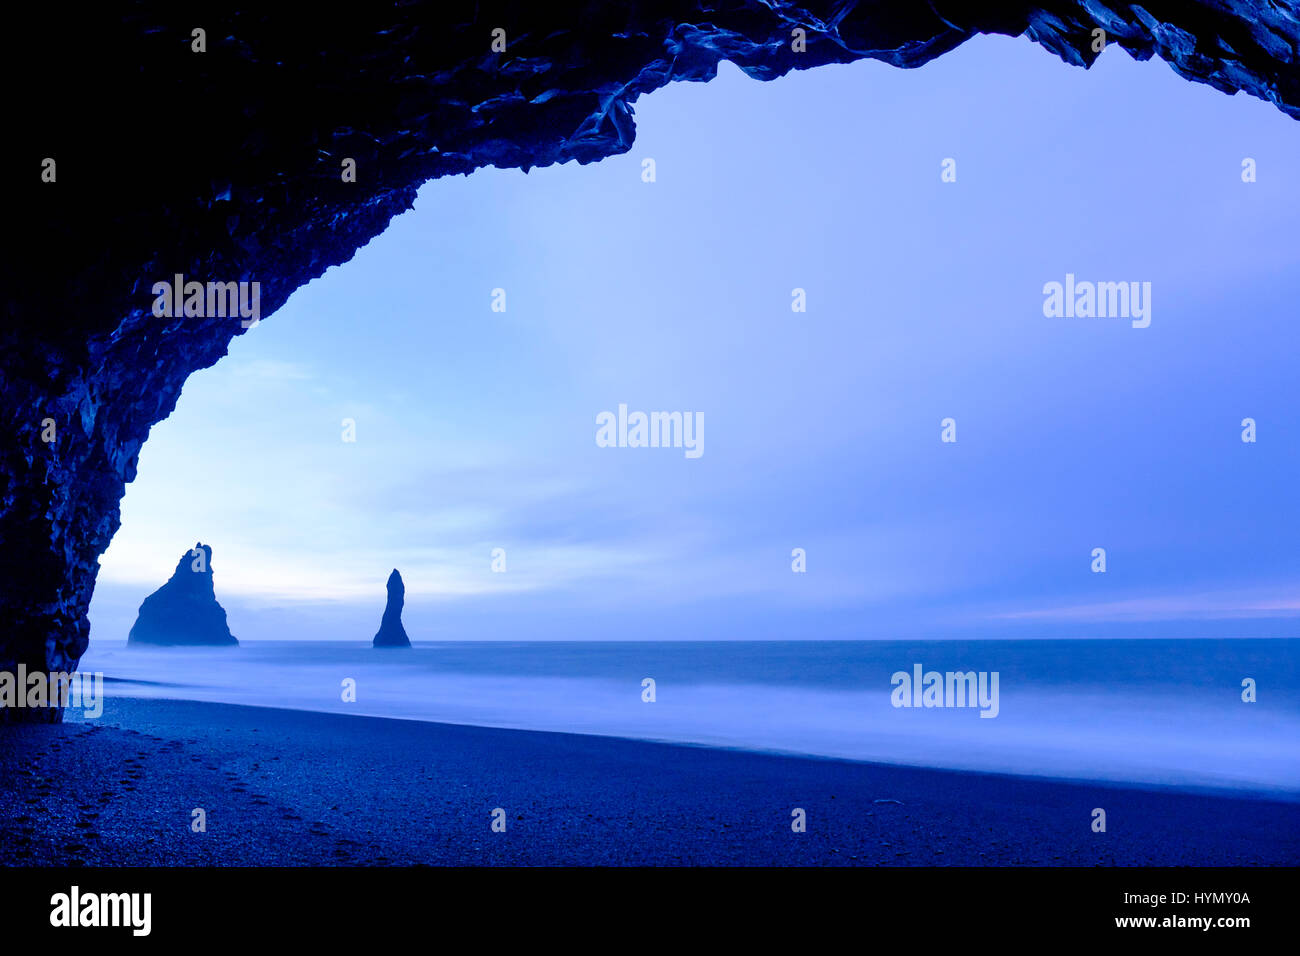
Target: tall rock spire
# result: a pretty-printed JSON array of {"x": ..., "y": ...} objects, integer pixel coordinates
[{"x": 391, "y": 633}]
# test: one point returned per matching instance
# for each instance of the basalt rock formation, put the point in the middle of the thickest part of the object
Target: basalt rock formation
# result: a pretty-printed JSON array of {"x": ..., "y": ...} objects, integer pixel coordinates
[
  {"x": 391, "y": 633},
  {"x": 184, "y": 612},
  {"x": 148, "y": 139}
]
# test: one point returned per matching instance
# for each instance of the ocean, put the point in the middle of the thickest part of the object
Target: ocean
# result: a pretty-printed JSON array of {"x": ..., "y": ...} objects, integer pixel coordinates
[{"x": 1163, "y": 712}]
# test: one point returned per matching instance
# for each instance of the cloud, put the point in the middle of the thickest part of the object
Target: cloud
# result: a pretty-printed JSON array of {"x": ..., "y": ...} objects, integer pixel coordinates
[
  {"x": 1223, "y": 606},
  {"x": 269, "y": 370}
]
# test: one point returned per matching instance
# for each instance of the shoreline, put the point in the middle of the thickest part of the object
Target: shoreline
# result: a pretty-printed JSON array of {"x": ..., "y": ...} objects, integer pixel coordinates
[
  {"x": 288, "y": 787},
  {"x": 1225, "y": 791}
]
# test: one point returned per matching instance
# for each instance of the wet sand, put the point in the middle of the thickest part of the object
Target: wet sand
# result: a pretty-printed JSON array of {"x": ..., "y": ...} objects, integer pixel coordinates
[{"x": 284, "y": 787}]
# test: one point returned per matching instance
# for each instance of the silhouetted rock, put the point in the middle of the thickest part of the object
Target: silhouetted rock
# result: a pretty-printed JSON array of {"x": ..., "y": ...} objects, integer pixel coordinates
[
  {"x": 391, "y": 633},
  {"x": 184, "y": 611}
]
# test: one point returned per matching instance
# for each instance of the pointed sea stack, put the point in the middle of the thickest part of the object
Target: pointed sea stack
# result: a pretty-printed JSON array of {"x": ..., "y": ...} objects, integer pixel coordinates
[
  {"x": 391, "y": 633},
  {"x": 184, "y": 612}
]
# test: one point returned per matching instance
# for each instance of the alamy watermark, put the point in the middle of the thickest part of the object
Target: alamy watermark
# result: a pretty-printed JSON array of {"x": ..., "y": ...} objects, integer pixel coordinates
[
  {"x": 74, "y": 908},
  {"x": 1101, "y": 300},
  {"x": 210, "y": 300},
  {"x": 38, "y": 689},
  {"x": 923, "y": 688},
  {"x": 651, "y": 430}
]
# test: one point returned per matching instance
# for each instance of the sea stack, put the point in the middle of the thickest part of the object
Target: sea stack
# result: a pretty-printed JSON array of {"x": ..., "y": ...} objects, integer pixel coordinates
[
  {"x": 391, "y": 633},
  {"x": 184, "y": 612}
]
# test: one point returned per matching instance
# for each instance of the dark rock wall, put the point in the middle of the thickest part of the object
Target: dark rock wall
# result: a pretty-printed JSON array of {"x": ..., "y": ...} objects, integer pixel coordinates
[{"x": 225, "y": 166}]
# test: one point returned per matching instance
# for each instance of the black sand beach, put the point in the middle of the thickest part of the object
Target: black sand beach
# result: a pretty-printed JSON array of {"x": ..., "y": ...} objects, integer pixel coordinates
[{"x": 287, "y": 787}]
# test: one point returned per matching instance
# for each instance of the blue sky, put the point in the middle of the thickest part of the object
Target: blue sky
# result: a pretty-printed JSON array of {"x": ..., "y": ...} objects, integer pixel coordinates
[{"x": 476, "y": 429}]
